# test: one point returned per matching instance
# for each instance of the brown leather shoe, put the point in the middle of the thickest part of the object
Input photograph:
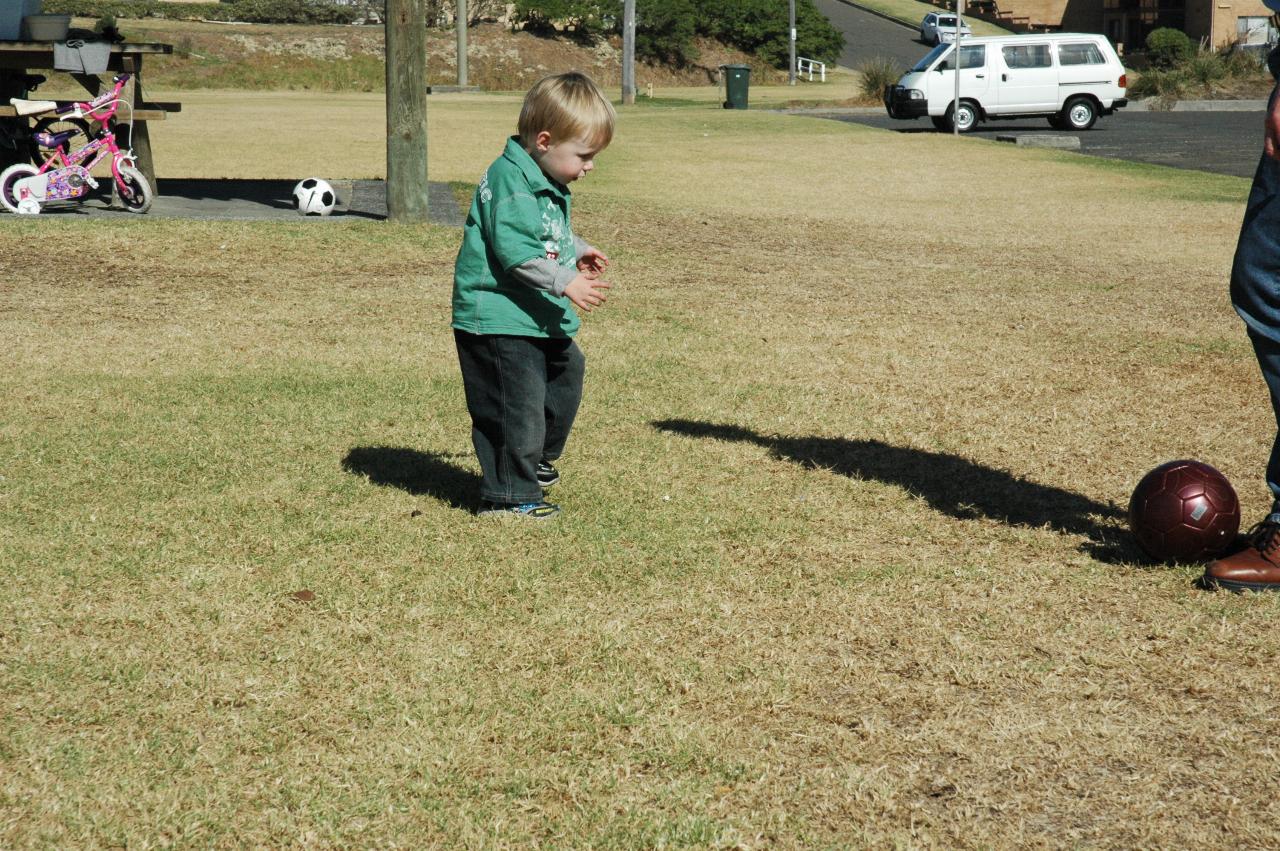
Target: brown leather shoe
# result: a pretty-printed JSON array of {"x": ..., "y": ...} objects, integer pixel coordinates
[{"x": 1255, "y": 568}]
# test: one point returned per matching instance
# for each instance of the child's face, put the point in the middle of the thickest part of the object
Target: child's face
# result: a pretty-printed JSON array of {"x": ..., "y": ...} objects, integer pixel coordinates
[{"x": 566, "y": 160}]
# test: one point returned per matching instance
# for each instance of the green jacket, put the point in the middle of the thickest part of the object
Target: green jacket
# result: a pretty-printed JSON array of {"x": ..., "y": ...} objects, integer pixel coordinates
[{"x": 517, "y": 214}]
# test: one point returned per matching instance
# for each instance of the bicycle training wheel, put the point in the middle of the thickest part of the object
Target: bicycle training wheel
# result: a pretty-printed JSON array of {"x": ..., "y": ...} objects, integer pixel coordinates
[
  {"x": 64, "y": 124},
  {"x": 8, "y": 178},
  {"x": 134, "y": 190}
]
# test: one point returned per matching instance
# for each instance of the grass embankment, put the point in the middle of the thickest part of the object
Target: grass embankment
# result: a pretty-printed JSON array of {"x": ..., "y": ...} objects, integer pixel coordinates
[
  {"x": 911, "y": 12},
  {"x": 841, "y": 561},
  {"x": 270, "y": 57}
]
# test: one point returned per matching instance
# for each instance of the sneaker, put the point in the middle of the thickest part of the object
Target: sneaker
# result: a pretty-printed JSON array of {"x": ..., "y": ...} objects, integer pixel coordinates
[
  {"x": 536, "y": 510},
  {"x": 547, "y": 475},
  {"x": 1255, "y": 568}
]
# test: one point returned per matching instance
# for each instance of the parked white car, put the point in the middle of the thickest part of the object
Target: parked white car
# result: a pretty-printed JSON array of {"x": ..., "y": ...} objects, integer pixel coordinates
[
  {"x": 939, "y": 27},
  {"x": 1069, "y": 78}
]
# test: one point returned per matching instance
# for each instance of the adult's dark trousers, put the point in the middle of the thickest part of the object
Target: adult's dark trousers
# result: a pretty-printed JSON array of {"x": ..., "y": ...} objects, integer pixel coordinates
[
  {"x": 1255, "y": 292},
  {"x": 1267, "y": 351},
  {"x": 523, "y": 395}
]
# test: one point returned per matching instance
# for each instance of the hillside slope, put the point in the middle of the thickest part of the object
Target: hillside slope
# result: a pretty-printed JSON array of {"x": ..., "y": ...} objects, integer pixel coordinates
[{"x": 336, "y": 58}]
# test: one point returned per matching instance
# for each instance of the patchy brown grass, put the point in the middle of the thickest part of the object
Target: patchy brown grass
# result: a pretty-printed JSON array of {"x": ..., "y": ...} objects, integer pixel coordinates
[{"x": 841, "y": 562}]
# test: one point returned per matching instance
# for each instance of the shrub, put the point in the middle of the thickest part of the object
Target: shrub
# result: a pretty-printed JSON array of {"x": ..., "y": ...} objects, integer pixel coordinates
[
  {"x": 585, "y": 17},
  {"x": 1166, "y": 85},
  {"x": 1167, "y": 47},
  {"x": 761, "y": 27},
  {"x": 1206, "y": 68},
  {"x": 1242, "y": 63},
  {"x": 877, "y": 73},
  {"x": 664, "y": 33}
]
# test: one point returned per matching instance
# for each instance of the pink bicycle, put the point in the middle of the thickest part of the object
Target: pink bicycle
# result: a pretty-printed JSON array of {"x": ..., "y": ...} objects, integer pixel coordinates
[{"x": 64, "y": 175}]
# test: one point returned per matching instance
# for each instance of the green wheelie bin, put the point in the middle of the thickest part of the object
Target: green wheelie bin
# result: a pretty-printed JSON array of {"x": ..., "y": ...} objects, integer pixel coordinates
[{"x": 737, "y": 80}]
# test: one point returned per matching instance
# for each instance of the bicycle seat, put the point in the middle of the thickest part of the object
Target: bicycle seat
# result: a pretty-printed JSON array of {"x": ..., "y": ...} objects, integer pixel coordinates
[
  {"x": 54, "y": 140},
  {"x": 32, "y": 107}
]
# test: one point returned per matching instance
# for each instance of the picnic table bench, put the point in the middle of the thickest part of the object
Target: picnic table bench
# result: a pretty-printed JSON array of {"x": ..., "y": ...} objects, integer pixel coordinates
[{"x": 21, "y": 57}]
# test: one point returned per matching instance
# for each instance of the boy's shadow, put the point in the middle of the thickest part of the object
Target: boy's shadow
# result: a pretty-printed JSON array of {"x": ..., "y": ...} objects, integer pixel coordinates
[
  {"x": 419, "y": 473},
  {"x": 948, "y": 483}
]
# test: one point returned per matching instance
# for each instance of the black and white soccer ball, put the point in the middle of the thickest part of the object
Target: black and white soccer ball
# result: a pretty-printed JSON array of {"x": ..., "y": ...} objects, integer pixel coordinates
[{"x": 314, "y": 197}]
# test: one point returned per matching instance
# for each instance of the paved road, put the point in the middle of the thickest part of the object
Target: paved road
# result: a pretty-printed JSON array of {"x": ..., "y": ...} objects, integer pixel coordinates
[
  {"x": 867, "y": 36},
  {"x": 1221, "y": 142}
]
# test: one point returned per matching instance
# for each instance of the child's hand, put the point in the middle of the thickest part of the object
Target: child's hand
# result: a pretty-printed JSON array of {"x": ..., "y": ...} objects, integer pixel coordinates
[
  {"x": 593, "y": 260},
  {"x": 1270, "y": 140},
  {"x": 587, "y": 291}
]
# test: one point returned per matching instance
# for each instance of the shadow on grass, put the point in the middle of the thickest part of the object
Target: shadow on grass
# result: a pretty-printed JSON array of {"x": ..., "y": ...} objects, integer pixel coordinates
[
  {"x": 418, "y": 473},
  {"x": 948, "y": 483}
]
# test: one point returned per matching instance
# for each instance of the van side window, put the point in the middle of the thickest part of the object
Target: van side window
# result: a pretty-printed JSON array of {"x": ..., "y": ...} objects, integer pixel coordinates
[
  {"x": 1027, "y": 56},
  {"x": 1080, "y": 54},
  {"x": 970, "y": 57}
]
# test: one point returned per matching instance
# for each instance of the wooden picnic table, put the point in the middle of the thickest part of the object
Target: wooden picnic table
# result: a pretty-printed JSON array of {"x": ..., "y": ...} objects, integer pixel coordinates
[{"x": 18, "y": 58}]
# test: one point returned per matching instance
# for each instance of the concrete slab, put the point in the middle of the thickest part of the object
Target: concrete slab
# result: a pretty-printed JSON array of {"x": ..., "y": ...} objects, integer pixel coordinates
[
  {"x": 1041, "y": 140},
  {"x": 264, "y": 200}
]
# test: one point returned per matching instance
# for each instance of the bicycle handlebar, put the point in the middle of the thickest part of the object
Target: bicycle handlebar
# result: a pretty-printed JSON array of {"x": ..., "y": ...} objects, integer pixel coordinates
[{"x": 105, "y": 99}]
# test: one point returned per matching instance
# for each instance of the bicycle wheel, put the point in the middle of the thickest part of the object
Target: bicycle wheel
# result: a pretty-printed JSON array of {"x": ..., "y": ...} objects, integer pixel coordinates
[
  {"x": 134, "y": 190},
  {"x": 64, "y": 124},
  {"x": 8, "y": 178}
]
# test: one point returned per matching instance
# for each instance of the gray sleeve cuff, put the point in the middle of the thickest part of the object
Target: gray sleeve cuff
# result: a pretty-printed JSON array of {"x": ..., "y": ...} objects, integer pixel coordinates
[
  {"x": 544, "y": 274},
  {"x": 579, "y": 245}
]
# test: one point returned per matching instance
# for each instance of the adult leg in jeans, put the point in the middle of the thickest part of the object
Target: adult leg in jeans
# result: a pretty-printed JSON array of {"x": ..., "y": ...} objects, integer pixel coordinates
[
  {"x": 566, "y": 365},
  {"x": 505, "y": 383},
  {"x": 1268, "y": 353}
]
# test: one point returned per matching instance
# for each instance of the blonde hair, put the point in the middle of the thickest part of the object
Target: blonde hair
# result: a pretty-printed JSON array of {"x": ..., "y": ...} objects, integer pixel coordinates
[{"x": 568, "y": 106}]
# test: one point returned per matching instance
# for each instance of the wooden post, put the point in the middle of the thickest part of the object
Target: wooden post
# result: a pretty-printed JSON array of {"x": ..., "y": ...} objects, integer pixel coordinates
[
  {"x": 629, "y": 51},
  {"x": 461, "y": 22},
  {"x": 406, "y": 40},
  {"x": 791, "y": 40}
]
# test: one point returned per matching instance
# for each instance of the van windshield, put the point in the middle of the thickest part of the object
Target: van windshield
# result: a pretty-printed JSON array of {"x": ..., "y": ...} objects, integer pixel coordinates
[{"x": 923, "y": 64}]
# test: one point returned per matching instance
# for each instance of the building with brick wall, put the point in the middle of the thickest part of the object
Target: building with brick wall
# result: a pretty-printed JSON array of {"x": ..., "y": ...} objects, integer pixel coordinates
[{"x": 1216, "y": 23}]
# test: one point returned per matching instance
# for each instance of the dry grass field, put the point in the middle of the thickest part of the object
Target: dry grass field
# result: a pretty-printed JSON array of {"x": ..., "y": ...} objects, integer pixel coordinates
[{"x": 842, "y": 560}]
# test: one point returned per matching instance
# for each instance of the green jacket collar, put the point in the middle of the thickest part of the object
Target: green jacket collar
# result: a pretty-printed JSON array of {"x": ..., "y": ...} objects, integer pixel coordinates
[{"x": 538, "y": 181}]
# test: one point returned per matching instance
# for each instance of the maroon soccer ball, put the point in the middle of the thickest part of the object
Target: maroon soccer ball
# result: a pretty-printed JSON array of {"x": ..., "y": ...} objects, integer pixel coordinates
[{"x": 1184, "y": 511}]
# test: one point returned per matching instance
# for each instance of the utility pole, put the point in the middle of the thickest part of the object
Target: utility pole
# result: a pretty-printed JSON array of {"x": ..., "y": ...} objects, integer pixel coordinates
[
  {"x": 955, "y": 107},
  {"x": 628, "y": 51},
  {"x": 791, "y": 71},
  {"x": 406, "y": 40},
  {"x": 460, "y": 19}
]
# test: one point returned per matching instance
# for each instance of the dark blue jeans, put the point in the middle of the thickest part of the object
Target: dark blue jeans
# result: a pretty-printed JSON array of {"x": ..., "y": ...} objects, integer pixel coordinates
[
  {"x": 1255, "y": 291},
  {"x": 523, "y": 394},
  {"x": 1268, "y": 354}
]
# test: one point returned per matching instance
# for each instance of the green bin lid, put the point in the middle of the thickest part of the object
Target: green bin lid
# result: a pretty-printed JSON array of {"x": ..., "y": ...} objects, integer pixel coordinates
[{"x": 737, "y": 67}]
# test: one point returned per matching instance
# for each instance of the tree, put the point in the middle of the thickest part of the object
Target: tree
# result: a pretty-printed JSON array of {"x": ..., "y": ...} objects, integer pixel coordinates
[{"x": 665, "y": 30}]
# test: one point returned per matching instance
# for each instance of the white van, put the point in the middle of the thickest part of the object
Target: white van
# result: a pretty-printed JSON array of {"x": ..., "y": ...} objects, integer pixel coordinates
[{"x": 1069, "y": 78}]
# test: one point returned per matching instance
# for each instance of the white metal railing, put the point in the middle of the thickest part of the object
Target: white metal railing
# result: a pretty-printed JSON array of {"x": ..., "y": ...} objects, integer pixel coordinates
[{"x": 809, "y": 66}]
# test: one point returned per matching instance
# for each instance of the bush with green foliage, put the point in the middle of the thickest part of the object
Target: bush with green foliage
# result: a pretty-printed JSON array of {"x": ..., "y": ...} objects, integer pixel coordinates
[
  {"x": 665, "y": 29},
  {"x": 1205, "y": 68},
  {"x": 664, "y": 33},
  {"x": 1167, "y": 47},
  {"x": 585, "y": 18},
  {"x": 761, "y": 27},
  {"x": 876, "y": 73},
  {"x": 1168, "y": 84},
  {"x": 255, "y": 11}
]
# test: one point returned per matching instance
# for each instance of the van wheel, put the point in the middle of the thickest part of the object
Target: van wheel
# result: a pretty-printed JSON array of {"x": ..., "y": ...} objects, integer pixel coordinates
[
  {"x": 965, "y": 117},
  {"x": 1080, "y": 113},
  {"x": 940, "y": 123}
]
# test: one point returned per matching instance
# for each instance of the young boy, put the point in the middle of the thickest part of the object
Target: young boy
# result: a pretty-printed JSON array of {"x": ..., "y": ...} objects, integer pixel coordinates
[
  {"x": 518, "y": 270},
  {"x": 1255, "y": 294}
]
